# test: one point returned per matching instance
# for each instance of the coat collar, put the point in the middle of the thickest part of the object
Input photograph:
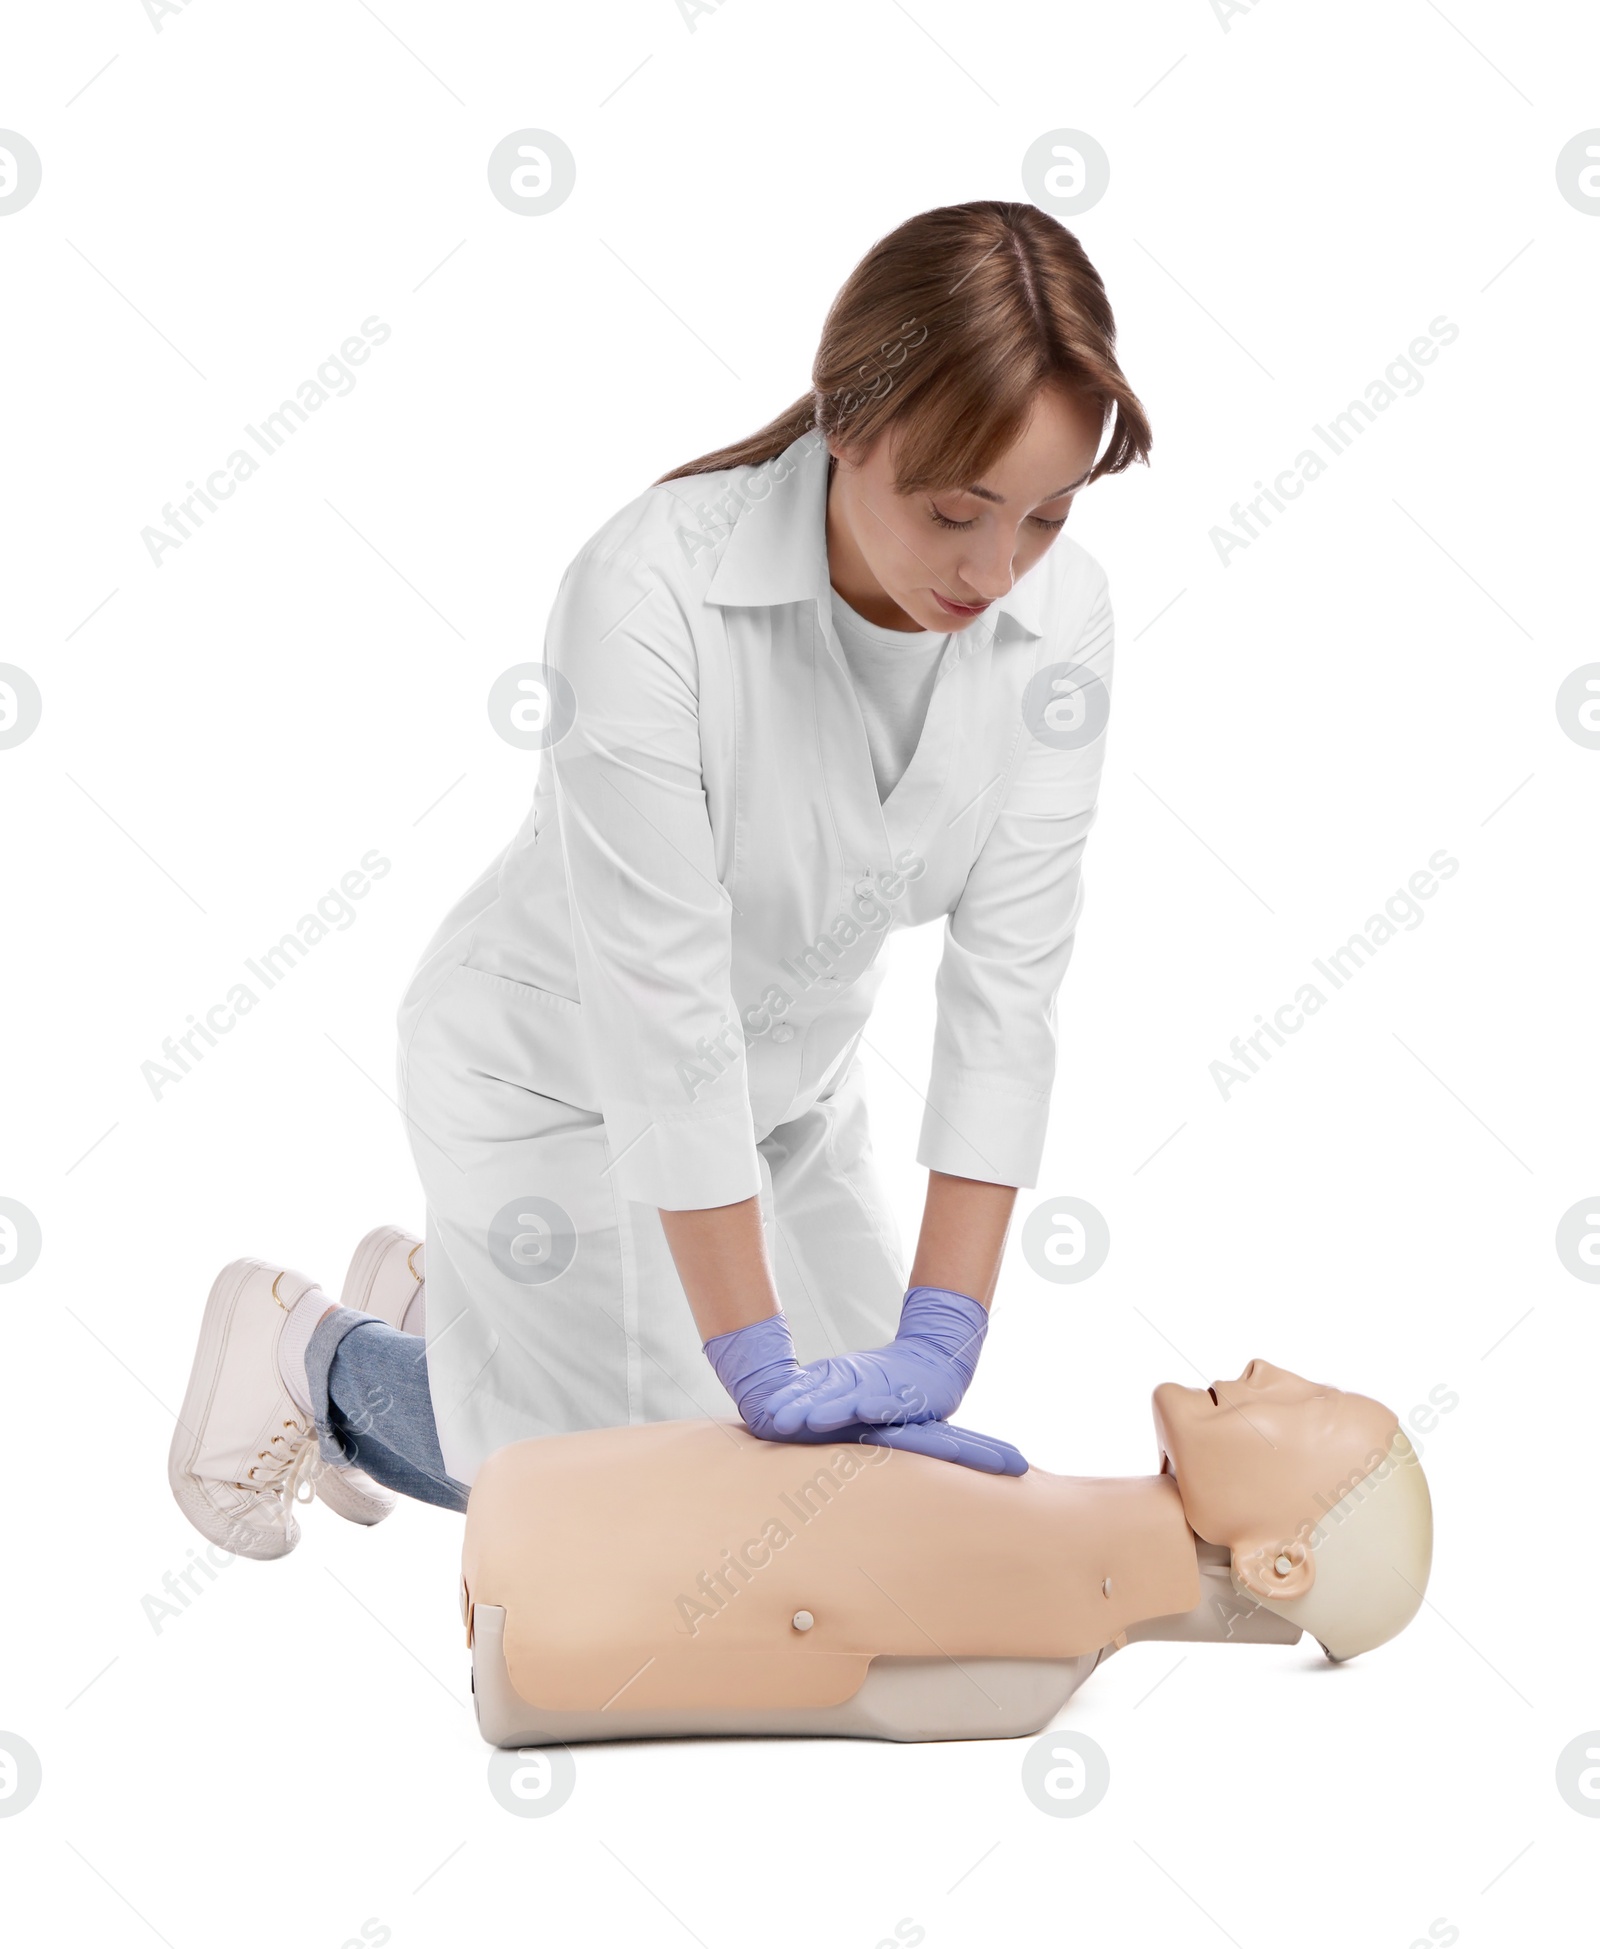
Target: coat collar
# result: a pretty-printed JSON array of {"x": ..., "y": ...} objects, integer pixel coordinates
[{"x": 778, "y": 552}]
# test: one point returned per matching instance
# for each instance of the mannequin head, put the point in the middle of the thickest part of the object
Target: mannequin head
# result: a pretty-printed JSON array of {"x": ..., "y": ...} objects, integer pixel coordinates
[{"x": 1316, "y": 1494}]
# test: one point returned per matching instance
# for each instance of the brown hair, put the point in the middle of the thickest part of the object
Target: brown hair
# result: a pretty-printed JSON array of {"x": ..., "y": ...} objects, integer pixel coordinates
[{"x": 946, "y": 330}]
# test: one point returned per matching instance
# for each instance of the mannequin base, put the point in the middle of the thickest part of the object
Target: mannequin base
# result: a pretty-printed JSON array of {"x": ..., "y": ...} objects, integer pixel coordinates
[{"x": 902, "y": 1698}]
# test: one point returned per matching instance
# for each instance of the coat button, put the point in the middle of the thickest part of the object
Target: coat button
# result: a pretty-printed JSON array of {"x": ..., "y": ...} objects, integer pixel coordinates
[
  {"x": 802, "y": 1620},
  {"x": 783, "y": 1033}
]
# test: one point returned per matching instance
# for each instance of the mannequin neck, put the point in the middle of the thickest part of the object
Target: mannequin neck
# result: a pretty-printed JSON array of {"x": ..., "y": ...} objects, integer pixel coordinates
[
  {"x": 1223, "y": 1615},
  {"x": 1131, "y": 1532}
]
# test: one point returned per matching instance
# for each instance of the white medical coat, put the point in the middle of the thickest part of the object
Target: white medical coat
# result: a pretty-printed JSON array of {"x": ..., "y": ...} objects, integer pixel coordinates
[{"x": 652, "y": 998}]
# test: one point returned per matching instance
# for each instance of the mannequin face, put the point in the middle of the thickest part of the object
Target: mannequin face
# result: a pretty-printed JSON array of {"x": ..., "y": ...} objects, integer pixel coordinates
[
  {"x": 1261, "y": 1460},
  {"x": 896, "y": 562}
]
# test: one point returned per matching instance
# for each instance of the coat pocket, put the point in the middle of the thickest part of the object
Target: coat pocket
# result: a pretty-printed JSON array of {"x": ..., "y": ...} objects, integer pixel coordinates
[{"x": 500, "y": 1031}]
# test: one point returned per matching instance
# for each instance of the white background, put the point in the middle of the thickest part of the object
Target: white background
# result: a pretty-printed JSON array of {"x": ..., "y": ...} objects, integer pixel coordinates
[{"x": 1294, "y": 196}]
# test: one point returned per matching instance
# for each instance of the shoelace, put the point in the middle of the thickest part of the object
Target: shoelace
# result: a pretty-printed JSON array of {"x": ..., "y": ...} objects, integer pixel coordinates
[{"x": 285, "y": 1467}]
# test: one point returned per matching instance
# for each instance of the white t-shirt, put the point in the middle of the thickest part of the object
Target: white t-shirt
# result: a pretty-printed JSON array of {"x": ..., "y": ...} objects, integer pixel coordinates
[{"x": 893, "y": 671}]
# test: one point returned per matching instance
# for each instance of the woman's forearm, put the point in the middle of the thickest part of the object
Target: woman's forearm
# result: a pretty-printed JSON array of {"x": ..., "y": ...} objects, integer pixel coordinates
[
  {"x": 721, "y": 1256},
  {"x": 963, "y": 1235},
  {"x": 721, "y": 1252}
]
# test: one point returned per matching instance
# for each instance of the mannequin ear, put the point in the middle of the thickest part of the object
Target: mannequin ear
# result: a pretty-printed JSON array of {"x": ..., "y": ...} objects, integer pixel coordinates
[{"x": 1275, "y": 1570}]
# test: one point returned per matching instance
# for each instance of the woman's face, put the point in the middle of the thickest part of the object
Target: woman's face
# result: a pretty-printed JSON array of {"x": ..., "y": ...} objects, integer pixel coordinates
[{"x": 936, "y": 558}]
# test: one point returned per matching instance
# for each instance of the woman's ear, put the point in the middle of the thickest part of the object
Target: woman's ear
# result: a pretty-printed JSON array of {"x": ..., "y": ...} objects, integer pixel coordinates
[{"x": 1275, "y": 1570}]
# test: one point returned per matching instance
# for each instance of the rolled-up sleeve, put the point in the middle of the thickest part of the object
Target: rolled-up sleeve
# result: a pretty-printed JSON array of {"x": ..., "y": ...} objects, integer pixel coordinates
[
  {"x": 651, "y": 922},
  {"x": 1009, "y": 939}
]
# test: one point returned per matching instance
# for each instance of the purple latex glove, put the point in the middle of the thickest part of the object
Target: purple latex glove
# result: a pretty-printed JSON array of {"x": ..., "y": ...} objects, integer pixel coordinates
[
  {"x": 919, "y": 1377},
  {"x": 757, "y": 1361},
  {"x": 945, "y": 1442}
]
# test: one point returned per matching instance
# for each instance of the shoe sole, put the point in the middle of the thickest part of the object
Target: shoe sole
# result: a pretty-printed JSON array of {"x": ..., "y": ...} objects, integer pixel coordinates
[
  {"x": 226, "y": 1291},
  {"x": 367, "y": 1505}
]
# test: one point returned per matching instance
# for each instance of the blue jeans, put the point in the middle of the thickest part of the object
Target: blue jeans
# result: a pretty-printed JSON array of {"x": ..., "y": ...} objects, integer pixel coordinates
[{"x": 372, "y": 1407}]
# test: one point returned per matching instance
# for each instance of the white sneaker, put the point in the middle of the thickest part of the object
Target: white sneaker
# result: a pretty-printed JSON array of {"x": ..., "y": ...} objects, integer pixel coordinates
[
  {"x": 350, "y": 1492},
  {"x": 242, "y": 1449},
  {"x": 384, "y": 1274}
]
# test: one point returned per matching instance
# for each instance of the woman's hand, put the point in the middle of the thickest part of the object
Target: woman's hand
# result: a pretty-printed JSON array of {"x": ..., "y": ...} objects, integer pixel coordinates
[
  {"x": 757, "y": 1365},
  {"x": 947, "y": 1443},
  {"x": 919, "y": 1377},
  {"x": 754, "y": 1363}
]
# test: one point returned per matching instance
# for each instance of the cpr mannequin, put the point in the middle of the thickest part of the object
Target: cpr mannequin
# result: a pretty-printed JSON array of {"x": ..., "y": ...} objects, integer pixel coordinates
[{"x": 684, "y": 1577}]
